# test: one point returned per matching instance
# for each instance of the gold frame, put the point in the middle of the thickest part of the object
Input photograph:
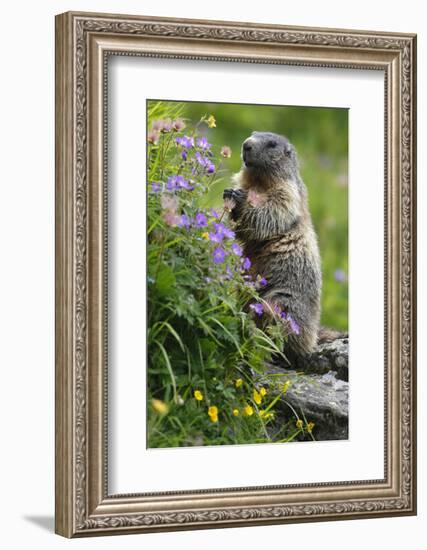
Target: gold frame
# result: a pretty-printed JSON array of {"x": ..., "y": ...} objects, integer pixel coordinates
[{"x": 83, "y": 43}]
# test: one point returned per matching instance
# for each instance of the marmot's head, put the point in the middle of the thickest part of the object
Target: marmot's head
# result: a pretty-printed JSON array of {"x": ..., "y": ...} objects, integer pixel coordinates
[{"x": 268, "y": 154}]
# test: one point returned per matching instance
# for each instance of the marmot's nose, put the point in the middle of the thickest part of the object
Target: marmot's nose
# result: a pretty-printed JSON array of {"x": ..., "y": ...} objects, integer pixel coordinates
[{"x": 247, "y": 146}]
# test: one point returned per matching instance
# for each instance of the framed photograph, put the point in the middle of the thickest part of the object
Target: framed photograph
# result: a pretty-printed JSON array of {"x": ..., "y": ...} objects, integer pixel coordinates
[{"x": 235, "y": 274}]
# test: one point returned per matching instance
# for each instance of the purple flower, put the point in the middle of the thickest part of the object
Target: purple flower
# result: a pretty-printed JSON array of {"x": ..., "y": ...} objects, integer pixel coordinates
[
  {"x": 214, "y": 213},
  {"x": 184, "y": 155},
  {"x": 210, "y": 167},
  {"x": 263, "y": 281},
  {"x": 246, "y": 263},
  {"x": 219, "y": 228},
  {"x": 340, "y": 275},
  {"x": 185, "y": 141},
  {"x": 293, "y": 324},
  {"x": 184, "y": 184},
  {"x": 201, "y": 220},
  {"x": 205, "y": 162},
  {"x": 221, "y": 231},
  {"x": 200, "y": 158},
  {"x": 184, "y": 221},
  {"x": 202, "y": 142},
  {"x": 278, "y": 311},
  {"x": 172, "y": 183},
  {"x": 215, "y": 237},
  {"x": 235, "y": 248},
  {"x": 224, "y": 231},
  {"x": 156, "y": 187},
  {"x": 178, "y": 182},
  {"x": 257, "y": 308},
  {"x": 218, "y": 255},
  {"x": 228, "y": 233}
]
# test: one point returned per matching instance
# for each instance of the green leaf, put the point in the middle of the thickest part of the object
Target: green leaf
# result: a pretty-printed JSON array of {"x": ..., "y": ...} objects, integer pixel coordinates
[
  {"x": 169, "y": 367},
  {"x": 232, "y": 338},
  {"x": 165, "y": 279}
]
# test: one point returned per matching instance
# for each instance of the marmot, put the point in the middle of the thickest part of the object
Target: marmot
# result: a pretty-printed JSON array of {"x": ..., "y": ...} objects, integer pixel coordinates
[{"x": 269, "y": 206}]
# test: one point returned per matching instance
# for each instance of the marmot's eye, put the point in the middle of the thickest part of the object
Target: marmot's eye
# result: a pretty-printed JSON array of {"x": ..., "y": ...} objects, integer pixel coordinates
[{"x": 271, "y": 144}]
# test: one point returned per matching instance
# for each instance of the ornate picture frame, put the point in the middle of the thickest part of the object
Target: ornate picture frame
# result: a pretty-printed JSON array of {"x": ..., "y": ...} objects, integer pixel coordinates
[{"x": 84, "y": 42}]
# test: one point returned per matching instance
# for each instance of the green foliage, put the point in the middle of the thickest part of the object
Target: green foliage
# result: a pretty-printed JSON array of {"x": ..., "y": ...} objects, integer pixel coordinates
[{"x": 206, "y": 345}]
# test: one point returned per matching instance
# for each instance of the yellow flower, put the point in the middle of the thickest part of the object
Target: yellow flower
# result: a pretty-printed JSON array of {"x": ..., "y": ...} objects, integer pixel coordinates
[
  {"x": 262, "y": 392},
  {"x": 239, "y": 382},
  {"x": 213, "y": 413},
  {"x": 266, "y": 415},
  {"x": 248, "y": 411},
  {"x": 211, "y": 122},
  {"x": 198, "y": 395},
  {"x": 257, "y": 397},
  {"x": 286, "y": 386},
  {"x": 236, "y": 412},
  {"x": 159, "y": 406},
  {"x": 310, "y": 427},
  {"x": 262, "y": 413},
  {"x": 299, "y": 424},
  {"x": 205, "y": 235}
]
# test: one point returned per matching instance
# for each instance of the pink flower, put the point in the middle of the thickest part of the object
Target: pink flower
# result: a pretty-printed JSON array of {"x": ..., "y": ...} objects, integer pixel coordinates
[
  {"x": 226, "y": 151},
  {"x": 153, "y": 137},
  {"x": 178, "y": 124},
  {"x": 157, "y": 125},
  {"x": 169, "y": 202},
  {"x": 167, "y": 125},
  {"x": 255, "y": 199},
  {"x": 171, "y": 218}
]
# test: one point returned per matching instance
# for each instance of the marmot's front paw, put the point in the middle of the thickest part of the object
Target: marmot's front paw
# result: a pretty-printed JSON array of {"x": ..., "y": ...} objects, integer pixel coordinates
[
  {"x": 237, "y": 195},
  {"x": 228, "y": 193}
]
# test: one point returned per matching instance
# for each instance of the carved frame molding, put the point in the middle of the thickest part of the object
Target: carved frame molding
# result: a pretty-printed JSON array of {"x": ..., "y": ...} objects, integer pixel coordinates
[{"x": 83, "y": 43}]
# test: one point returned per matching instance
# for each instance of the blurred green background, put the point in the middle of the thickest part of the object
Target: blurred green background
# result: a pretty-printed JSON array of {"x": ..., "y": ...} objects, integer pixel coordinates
[{"x": 320, "y": 136}]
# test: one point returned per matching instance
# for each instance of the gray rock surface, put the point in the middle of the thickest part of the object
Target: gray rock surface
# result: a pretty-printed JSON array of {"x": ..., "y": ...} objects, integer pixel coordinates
[
  {"x": 318, "y": 390},
  {"x": 328, "y": 356}
]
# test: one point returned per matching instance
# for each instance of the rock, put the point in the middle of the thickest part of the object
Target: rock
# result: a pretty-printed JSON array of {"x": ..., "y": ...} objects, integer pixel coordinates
[
  {"x": 327, "y": 356},
  {"x": 323, "y": 399},
  {"x": 319, "y": 393}
]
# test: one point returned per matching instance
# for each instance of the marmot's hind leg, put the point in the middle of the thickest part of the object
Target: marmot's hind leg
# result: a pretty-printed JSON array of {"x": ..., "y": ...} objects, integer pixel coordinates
[{"x": 300, "y": 328}]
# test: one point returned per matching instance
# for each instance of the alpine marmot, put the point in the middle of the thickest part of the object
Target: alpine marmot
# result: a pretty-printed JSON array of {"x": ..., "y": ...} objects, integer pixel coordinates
[{"x": 269, "y": 206}]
